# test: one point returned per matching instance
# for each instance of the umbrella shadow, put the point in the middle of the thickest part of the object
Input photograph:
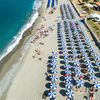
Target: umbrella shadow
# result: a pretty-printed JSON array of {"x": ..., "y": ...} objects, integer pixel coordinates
[
  {"x": 59, "y": 45},
  {"x": 49, "y": 61},
  {"x": 60, "y": 48},
  {"x": 62, "y": 67},
  {"x": 96, "y": 69},
  {"x": 49, "y": 71},
  {"x": 50, "y": 57},
  {"x": 62, "y": 84},
  {"x": 87, "y": 84},
  {"x": 59, "y": 41},
  {"x": 62, "y": 62},
  {"x": 62, "y": 92},
  {"x": 85, "y": 97},
  {"x": 73, "y": 82},
  {"x": 60, "y": 52},
  {"x": 94, "y": 64},
  {"x": 83, "y": 66},
  {"x": 97, "y": 75},
  {"x": 61, "y": 57},
  {"x": 49, "y": 65},
  {"x": 69, "y": 48},
  {"x": 71, "y": 64},
  {"x": 62, "y": 78},
  {"x": 45, "y": 94},
  {"x": 86, "y": 77},
  {"x": 91, "y": 59},
  {"x": 48, "y": 85},
  {"x": 48, "y": 78},
  {"x": 62, "y": 72}
]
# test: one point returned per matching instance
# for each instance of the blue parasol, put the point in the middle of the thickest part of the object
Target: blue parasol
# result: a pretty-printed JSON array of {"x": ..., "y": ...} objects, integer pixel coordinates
[
  {"x": 70, "y": 94},
  {"x": 76, "y": 68},
  {"x": 68, "y": 72},
  {"x": 68, "y": 79},
  {"x": 92, "y": 77},
  {"x": 79, "y": 83},
  {"x": 52, "y": 94},
  {"x": 68, "y": 85},
  {"x": 53, "y": 86},
  {"x": 96, "y": 85},
  {"x": 53, "y": 78},
  {"x": 54, "y": 71},
  {"x": 78, "y": 74},
  {"x": 90, "y": 70},
  {"x": 67, "y": 66}
]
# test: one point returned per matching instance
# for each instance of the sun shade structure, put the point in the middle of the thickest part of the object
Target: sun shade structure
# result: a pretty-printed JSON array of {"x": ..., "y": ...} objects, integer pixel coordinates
[{"x": 52, "y": 94}]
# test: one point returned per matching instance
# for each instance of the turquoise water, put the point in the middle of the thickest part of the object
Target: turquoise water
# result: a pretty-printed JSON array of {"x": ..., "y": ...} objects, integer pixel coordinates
[{"x": 13, "y": 15}]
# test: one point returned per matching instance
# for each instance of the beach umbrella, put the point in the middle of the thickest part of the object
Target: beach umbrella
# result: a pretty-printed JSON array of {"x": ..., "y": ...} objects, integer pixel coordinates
[
  {"x": 66, "y": 60},
  {"x": 70, "y": 94},
  {"x": 54, "y": 66},
  {"x": 98, "y": 63},
  {"x": 68, "y": 79},
  {"x": 54, "y": 54},
  {"x": 53, "y": 78},
  {"x": 76, "y": 63},
  {"x": 68, "y": 72},
  {"x": 78, "y": 74},
  {"x": 68, "y": 85},
  {"x": 79, "y": 83},
  {"x": 52, "y": 94},
  {"x": 96, "y": 85},
  {"x": 67, "y": 67},
  {"x": 54, "y": 71},
  {"x": 92, "y": 77},
  {"x": 53, "y": 61},
  {"x": 76, "y": 68},
  {"x": 53, "y": 86},
  {"x": 96, "y": 57},
  {"x": 90, "y": 70}
]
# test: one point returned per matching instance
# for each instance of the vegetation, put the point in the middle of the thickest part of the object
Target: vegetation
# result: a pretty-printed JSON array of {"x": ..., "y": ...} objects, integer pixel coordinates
[{"x": 95, "y": 27}]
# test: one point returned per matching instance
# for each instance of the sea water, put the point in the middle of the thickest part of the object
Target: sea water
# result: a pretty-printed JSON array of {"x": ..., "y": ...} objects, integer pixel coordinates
[{"x": 16, "y": 16}]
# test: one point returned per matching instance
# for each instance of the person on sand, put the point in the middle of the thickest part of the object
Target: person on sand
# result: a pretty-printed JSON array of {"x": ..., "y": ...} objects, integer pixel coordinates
[{"x": 91, "y": 93}]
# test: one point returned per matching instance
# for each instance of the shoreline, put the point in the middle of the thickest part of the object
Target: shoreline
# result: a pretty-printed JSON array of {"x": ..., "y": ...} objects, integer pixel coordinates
[
  {"x": 17, "y": 54},
  {"x": 30, "y": 81},
  {"x": 25, "y": 36}
]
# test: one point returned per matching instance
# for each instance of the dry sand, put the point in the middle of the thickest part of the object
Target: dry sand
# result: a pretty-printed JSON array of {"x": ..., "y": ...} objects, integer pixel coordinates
[{"x": 29, "y": 82}]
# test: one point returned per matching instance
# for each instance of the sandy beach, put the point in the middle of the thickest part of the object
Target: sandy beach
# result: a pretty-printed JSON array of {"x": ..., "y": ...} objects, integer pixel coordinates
[{"x": 29, "y": 80}]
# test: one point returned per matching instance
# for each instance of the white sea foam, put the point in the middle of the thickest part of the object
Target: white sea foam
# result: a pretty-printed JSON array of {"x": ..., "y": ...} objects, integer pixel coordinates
[
  {"x": 9, "y": 76},
  {"x": 18, "y": 37}
]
